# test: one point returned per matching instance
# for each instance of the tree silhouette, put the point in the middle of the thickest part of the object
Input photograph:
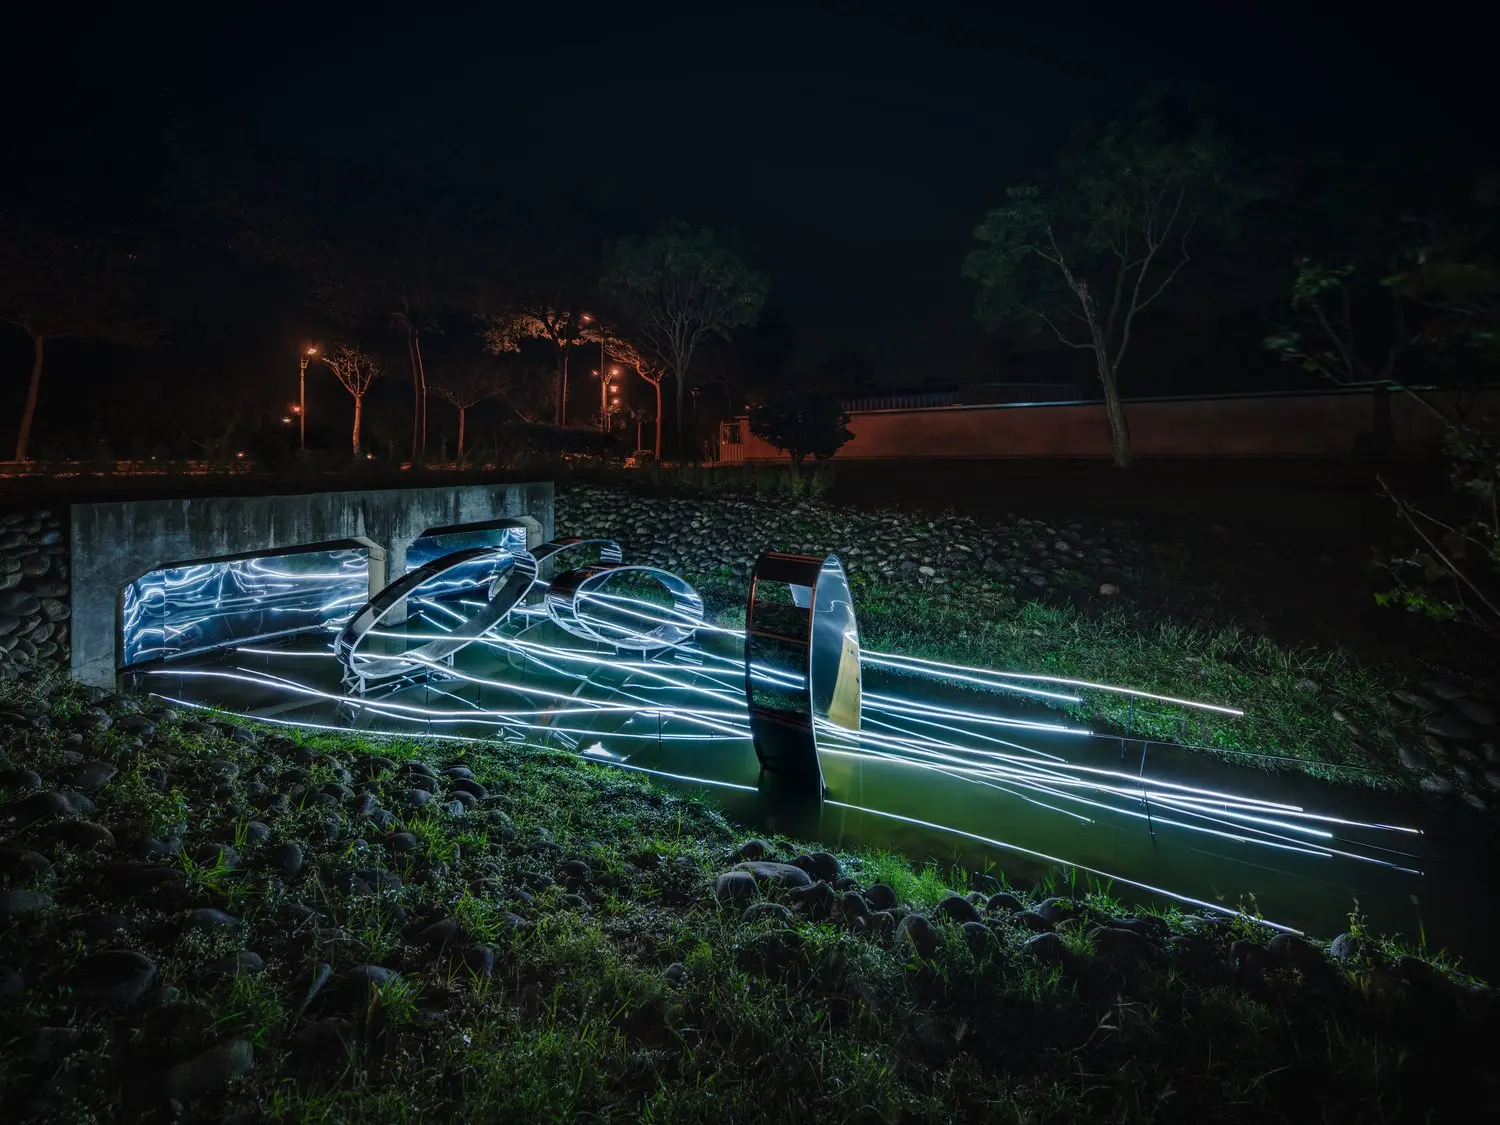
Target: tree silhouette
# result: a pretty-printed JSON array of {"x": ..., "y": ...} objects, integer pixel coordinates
[
  {"x": 1083, "y": 251},
  {"x": 55, "y": 286},
  {"x": 550, "y": 269},
  {"x": 622, "y": 349},
  {"x": 395, "y": 253},
  {"x": 468, "y": 389},
  {"x": 681, "y": 286},
  {"x": 801, "y": 422},
  {"x": 355, "y": 370}
]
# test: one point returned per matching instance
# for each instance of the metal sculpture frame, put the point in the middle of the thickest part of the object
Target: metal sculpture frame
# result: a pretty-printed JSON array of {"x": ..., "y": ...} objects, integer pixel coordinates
[
  {"x": 570, "y": 591},
  {"x": 802, "y": 679},
  {"x": 505, "y": 593}
]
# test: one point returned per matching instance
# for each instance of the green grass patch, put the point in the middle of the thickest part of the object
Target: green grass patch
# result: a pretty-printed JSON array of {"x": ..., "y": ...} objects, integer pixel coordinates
[{"x": 641, "y": 1000}]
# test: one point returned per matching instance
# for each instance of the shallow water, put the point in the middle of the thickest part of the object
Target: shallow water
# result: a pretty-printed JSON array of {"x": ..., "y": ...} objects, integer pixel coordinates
[{"x": 965, "y": 787}]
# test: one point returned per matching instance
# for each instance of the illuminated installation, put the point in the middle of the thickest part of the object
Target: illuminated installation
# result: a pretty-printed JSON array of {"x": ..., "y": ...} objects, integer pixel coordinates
[
  {"x": 570, "y": 646},
  {"x": 802, "y": 681}
]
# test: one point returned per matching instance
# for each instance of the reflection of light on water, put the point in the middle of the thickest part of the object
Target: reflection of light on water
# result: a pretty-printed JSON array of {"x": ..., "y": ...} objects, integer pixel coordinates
[{"x": 697, "y": 697}]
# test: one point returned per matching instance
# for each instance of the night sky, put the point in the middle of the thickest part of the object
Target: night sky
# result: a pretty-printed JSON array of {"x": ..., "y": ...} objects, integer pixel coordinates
[{"x": 851, "y": 150}]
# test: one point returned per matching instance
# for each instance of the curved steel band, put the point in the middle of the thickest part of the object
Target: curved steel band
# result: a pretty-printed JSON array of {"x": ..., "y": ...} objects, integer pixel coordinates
[
  {"x": 801, "y": 662},
  {"x": 505, "y": 592},
  {"x": 572, "y": 590}
]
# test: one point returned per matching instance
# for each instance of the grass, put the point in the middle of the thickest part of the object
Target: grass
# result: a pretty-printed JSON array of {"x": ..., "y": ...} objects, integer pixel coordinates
[
  {"x": 1288, "y": 695},
  {"x": 649, "y": 1003}
]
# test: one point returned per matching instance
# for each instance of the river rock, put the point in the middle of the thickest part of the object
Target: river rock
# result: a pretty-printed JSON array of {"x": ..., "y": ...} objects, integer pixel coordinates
[
  {"x": 775, "y": 874},
  {"x": 22, "y": 904},
  {"x": 1057, "y": 910},
  {"x": 245, "y": 963},
  {"x": 1475, "y": 711},
  {"x": 1345, "y": 947},
  {"x": 1435, "y": 785},
  {"x": 49, "y": 803},
  {"x": 955, "y": 908},
  {"x": 1047, "y": 948},
  {"x": 753, "y": 849},
  {"x": 115, "y": 978},
  {"x": 81, "y": 835},
  {"x": 1121, "y": 946},
  {"x": 820, "y": 865},
  {"x": 436, "y": 935},
  {"x": 1031, "y": 920},
  {"x": 735, "y": 887},
  {"x": 478, "y": 959},
  {"x": 917, "y": 932},
  {"x": 210, "y": 1071},
  {"x": 1449, "y": 726},
  {"x": 977, "y": 936},
  {"x": 210, "y": 918},
  {"x": 1413, "y": 757}
]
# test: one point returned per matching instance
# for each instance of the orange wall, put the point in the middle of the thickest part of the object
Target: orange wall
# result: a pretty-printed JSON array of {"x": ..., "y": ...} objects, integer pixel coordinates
[{"x": 1318, "y": 425}]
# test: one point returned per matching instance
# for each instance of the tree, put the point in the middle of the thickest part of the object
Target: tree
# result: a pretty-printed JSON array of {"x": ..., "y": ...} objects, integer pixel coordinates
[
  {"x": 476, "y": 384},
  {"x": 55, "y": 286},
  {"x": 1450, "y": 283},
  {"x": 1320, "y": 336},
  {"x": 549, "y": 269},
  {"x": 680, "y": 286},
  {"x": 643, "y": 362},
  {"x": 801, "y": 422},
  {"x": 355, "y": 371},
  {"x": 1083, "y": 251},
  {"x": 394, "y": 253},
  {"x": 538, "y": 318}
]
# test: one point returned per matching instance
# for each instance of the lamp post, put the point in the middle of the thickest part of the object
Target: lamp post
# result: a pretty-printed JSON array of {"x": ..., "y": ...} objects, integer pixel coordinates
[
  {"x": 605, "y": 386},
  {"x": 302, "y": 399},
  {"x": 562, "y": 411},
  {"x": 694, "y": 392}
]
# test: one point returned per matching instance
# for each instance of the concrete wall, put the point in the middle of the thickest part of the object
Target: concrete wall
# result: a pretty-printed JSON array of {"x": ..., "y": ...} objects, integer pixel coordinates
[
  {"x": 1334, "y": 424},
  {"x": 114, "y": 544}
]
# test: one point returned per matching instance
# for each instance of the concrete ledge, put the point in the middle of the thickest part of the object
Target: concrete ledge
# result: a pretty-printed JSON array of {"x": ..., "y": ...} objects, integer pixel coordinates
[{"x": 114, "y": 544}]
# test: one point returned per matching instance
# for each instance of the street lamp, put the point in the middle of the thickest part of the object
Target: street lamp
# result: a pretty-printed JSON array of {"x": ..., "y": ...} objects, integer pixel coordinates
[
  {"x": 694, "y": 392},
  {"x": 301, "y": 410},
  {"x": 562, "y": 406},
  {"x": 605, "y": 388}
]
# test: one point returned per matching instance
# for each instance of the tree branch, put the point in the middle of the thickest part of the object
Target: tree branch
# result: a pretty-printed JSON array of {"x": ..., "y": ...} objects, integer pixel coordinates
[{"x": 1061, "y": 338}]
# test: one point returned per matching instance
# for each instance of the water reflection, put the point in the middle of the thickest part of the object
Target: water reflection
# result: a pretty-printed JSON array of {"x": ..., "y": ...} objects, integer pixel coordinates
[{"x": 955, "y": 771}]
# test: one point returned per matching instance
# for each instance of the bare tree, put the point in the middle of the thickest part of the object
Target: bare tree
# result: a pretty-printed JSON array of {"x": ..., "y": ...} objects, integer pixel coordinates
[
  {"x": 548, "y": 268},
  {"x": 469, "y": 389},
  {"x": 643, "y": 362},
  {"x": 391, "y": 253},
  {"x": 681, "y": 286},
  {"x": 355, "y": 370},
  {"x": 1086, "y": 250},
  {"x": 54, "y": 286}
]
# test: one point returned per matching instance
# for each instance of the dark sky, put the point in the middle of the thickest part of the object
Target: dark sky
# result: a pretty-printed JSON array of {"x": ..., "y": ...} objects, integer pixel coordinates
[{"x": 851, "y": 148}]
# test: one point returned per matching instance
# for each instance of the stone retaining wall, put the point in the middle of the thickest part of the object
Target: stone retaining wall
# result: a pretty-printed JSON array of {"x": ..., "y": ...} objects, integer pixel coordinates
[{"x": 34, "y": 602}]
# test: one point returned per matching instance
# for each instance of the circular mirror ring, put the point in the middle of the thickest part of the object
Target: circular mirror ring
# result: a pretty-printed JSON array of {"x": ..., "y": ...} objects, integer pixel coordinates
[{"x": 505, "y": 591}]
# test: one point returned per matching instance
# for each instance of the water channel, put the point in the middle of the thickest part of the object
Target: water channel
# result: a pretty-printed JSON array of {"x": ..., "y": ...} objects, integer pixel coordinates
[{"x": 977, "y": 775}]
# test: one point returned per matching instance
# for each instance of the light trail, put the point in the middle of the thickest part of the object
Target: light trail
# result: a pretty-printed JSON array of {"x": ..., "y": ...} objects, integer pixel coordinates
[{"x": 694, "y": 694}]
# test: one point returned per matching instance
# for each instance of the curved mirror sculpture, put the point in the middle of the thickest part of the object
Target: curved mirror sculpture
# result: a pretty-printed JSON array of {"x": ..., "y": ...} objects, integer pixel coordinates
[
  {"x": 802, "y": 678},
  {"x": 579, "y": 603},
  {"x": 510, "y": 576}
]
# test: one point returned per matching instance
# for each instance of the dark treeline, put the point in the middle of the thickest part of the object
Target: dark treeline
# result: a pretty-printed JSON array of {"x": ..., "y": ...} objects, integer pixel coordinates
[{"x": 159, "y": 297}]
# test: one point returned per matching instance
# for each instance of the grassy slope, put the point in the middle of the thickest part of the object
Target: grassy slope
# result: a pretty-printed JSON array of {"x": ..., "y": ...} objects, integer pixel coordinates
[{"x": 642, "y": 1000}]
